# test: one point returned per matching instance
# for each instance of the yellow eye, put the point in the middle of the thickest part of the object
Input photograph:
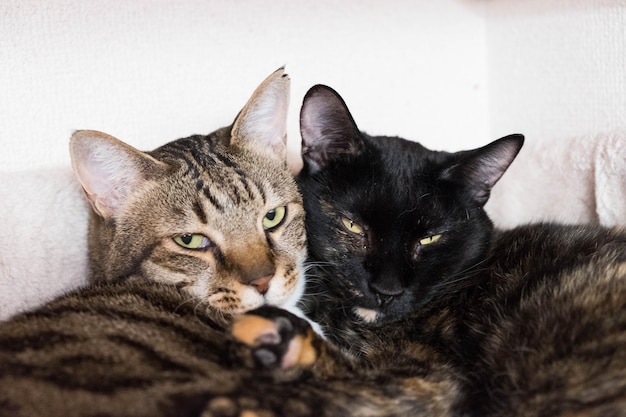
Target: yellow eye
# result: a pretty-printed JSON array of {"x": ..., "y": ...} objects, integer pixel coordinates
[
  {"x": 192, "y": 241},
  {"x": 274, "y": 217},
  {"x": 430, "y": 239},
  {"x": 352, "y": 226}
]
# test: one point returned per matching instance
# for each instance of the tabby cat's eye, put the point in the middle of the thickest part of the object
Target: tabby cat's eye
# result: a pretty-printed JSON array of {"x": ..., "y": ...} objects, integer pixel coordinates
[
  {"x": 352, "y": 226},
  {"x": 430, "y": 239},
  {"x": 274, "y": 217},
  {"x": 192, "y": 241}
]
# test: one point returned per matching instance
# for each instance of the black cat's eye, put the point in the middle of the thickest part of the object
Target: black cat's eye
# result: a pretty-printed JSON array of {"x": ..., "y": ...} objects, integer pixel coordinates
[
  {"x": 423, "y": 242},
  {"x": 193, "y": 241},
  {"x": 429, "y": 239},
  {"x": 274, "y": 217},
  {"x": 352, "y": 226}
]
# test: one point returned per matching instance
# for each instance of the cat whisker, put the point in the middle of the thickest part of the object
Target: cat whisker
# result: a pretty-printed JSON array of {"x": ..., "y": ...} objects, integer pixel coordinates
[
  {"x": 415, "y": 207},
  {"x": 460, "y": 280},
  {"x": 187, "y": 301}
]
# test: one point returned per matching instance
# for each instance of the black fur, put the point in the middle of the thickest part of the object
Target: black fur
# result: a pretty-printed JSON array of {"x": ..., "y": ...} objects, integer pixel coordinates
[{"x": 532, "y": 320}]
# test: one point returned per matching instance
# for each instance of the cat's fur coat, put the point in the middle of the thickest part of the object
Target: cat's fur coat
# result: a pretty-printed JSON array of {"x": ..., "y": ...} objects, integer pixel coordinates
[
  {"x": 181, "y": 238},
  {"x": 413, "y": 284}
]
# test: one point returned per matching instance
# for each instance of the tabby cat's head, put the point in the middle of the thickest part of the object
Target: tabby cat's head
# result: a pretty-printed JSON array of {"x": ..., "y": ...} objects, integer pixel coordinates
[
  {"x": 391, "y": 224},
  {"x": 219, "y": 216}
]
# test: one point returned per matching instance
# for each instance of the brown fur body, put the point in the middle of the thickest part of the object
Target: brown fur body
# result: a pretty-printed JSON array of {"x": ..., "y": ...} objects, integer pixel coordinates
[{"x": 143, "y": 349}]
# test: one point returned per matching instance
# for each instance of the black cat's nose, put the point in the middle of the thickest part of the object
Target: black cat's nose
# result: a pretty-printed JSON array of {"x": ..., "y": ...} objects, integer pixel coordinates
[
  {"x": 384, "y": 300},
  {"x": 385, "y": 294}
]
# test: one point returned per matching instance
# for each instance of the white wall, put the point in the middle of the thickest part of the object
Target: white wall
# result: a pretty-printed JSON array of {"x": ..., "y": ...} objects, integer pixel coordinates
[
  {"x": 151, "y": 71},
  {"x": 557, "y": 68}
]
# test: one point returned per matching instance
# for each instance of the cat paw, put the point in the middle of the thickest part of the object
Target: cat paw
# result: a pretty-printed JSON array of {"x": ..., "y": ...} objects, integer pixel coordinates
[{"x": 275, "y": 338}]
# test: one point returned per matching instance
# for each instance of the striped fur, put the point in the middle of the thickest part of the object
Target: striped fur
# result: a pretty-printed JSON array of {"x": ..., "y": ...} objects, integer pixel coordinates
[
  {"x": 147, "y": 337},
  {"x": 144, "y": 350}
]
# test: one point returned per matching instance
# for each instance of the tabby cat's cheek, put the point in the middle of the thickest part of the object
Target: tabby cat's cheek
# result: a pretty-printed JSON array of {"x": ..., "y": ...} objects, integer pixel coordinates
[
  {"x": 286, "y": 290},
  {"x": 250, "y": 299}
]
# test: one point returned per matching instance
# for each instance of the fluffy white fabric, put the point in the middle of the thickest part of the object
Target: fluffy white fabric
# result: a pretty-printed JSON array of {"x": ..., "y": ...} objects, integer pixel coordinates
[
  {"x": 43, "y": 237},
  {"x": 43, "y": 223},
  {"x": 575, "y": 180}
]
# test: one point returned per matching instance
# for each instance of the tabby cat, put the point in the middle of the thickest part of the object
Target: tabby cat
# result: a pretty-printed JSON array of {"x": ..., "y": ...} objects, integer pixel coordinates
[
  {"x": 413, "y": 285},
  {"x": 180, "y": 239}
]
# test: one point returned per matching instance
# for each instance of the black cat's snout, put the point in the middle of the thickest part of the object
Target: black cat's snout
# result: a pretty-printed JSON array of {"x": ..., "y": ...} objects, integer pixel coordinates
[
  {"x": 385, "y": 295},
  {"x": 384, "y": 300}
]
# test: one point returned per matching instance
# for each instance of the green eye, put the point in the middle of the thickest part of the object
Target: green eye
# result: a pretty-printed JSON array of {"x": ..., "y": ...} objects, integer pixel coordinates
[
  {"x": 430, "y": 239},
  {"x": 274, "y": 217},
  {"x": 192, "y": 241},
  {"x": 352, "y": 226}
]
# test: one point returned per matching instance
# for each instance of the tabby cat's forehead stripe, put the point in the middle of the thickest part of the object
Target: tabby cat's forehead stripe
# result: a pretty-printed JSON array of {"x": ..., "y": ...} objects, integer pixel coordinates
[
  {"x": 192, "y": 169},
  {"x": 199, "y": 211},
  {"x": 243, "y": 180},
  {"x": 224, "y": 172},
  {"x": 224, "y": 159},
  {"x": 201, "y": 153},
  {"x": 251, "y": 189},
  {"x": 239, "y": 189},
  {"x": 206, "y": 161},
  {"x": 181, "y": 155},
  {"x": 212, "y": 199},
  {"x": 258, "y": 187}
]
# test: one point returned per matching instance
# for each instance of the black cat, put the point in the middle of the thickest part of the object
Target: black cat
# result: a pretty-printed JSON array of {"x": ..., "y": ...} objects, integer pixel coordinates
[{"x": 410, "y": 281}]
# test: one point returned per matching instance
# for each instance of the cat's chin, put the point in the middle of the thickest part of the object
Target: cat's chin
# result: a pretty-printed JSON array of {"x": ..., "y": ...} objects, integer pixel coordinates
[
  {"x": 383, "y": 314},
  {"x": 368, "y": 315}
]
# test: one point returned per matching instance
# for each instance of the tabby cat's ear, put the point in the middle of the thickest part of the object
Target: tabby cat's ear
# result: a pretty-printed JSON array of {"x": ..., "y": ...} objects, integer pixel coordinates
[
  {"x": 262, "y": 123},
  {"x": 327, "y": 128},
  {"x": 480, "y": 169},
  {"x": 109, "y": 170}
]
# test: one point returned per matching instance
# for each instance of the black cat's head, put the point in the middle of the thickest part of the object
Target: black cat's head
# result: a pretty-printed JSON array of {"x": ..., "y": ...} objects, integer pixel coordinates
[{"x": 392, "y": 225}]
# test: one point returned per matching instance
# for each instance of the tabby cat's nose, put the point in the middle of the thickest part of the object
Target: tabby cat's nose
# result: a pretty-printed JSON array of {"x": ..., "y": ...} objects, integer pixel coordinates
[{"x": 262, "y": 284}]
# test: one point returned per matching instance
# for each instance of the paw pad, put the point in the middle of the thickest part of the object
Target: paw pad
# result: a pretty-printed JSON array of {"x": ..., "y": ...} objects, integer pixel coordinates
[{"x": 277, "y": 338}]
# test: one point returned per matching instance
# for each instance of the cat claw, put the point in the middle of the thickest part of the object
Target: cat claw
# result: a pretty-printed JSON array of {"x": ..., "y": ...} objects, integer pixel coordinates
[{"x": 275, "y": 338}]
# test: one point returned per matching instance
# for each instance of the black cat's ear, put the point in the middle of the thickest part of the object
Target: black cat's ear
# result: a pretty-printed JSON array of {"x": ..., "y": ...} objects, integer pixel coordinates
[
  {"x": 327, "y": 128},
  {"x": 262, "y": 123},
  {"x": 480, "y": 169},
  {"x": 109, "y": 170}
]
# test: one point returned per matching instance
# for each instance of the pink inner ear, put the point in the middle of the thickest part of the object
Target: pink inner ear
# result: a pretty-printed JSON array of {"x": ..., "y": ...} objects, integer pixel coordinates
[
  {"x": 312, "y": 121},
  {"x": 267, "y": 123},
  {"x": 105, "y": 183},
  {"x": 262, "y": 124},
  {"x": 108, "y": 172}
]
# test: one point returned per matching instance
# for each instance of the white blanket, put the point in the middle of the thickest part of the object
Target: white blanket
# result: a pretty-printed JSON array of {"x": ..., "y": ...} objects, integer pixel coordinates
[
  {"x": 576, "y": 180},
  {"x": 43, "y": 237}
]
